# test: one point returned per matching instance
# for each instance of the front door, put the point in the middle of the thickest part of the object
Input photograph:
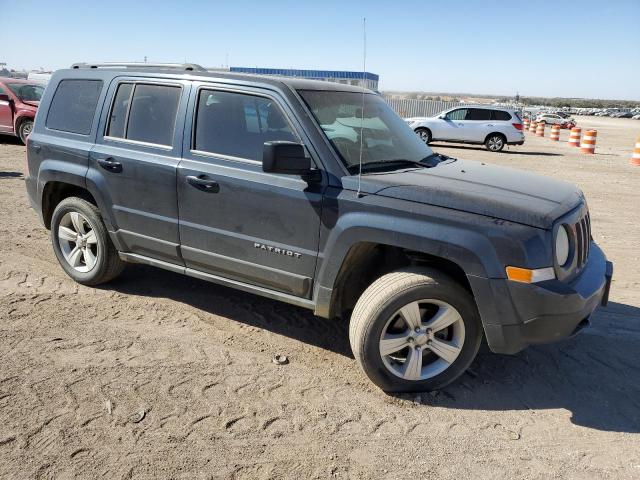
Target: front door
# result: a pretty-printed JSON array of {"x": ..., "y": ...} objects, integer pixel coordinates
[
  {"x": 134, "y": 164},
  {"x": 6, "y": 113},
  {"x": 452, "y": 127},
  {"x": 237, "y": 221}
]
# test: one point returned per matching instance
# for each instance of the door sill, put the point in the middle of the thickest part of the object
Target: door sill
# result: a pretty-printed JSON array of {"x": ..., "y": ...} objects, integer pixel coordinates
[{"x": 246, "y": 287}]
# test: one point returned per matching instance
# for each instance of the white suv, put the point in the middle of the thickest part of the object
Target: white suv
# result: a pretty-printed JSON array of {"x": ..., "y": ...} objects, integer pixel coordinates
[
  {"x": 554, "y": 119},
  {"x": 491, "y": 126}
]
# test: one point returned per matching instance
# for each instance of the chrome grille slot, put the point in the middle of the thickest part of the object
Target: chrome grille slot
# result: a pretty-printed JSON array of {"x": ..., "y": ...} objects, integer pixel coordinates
[{"x": 582, "y": 231}]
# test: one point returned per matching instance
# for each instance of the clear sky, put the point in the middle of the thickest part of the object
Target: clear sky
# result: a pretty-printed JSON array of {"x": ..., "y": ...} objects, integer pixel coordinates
[{"x": 536, "y": 47}]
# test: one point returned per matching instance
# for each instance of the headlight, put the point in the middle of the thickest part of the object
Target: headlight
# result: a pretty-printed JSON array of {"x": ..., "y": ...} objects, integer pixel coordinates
[{"x": 562, "y": 246}]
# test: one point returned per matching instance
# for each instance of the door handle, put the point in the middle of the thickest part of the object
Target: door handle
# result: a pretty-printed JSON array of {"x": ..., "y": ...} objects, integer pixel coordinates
[
  {"x": 110, "y": 164},
  {"x": 35, "y": 147},
  {"x": 202, "y": 182}
]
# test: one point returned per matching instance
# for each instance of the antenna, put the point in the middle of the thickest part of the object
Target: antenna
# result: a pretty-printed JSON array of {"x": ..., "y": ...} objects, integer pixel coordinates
[{"x": 364, "y": 69}]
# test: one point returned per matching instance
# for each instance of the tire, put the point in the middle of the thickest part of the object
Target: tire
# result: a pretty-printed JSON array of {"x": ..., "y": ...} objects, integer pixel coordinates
[
  {"x": 90, "y": 259},
  {"x": 424, "y": 134},
  {"x": 24, "y": 130},
  {"x": 495, "y": 142},
  {"x": 380, "y": 309}
]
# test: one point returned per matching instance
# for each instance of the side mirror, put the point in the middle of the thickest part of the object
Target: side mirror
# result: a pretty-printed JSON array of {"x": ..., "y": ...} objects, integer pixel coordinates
[
  {"x": 285, "y": 157},
  {"x": 442, "y": 117},
  {"x": 4, "y": 98}
]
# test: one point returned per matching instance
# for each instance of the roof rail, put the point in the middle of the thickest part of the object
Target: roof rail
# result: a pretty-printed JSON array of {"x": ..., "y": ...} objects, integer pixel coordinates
[{"x": 176, "y": 66}]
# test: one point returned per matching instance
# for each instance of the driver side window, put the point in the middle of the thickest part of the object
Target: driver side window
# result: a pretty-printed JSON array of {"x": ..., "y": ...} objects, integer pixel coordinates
[{"x": 458, "y": 114}]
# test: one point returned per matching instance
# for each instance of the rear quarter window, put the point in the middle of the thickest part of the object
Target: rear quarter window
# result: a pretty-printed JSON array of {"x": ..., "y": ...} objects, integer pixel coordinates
[
  {"x": 500, "y": 115},
  {"x": 74, "y": 105}
]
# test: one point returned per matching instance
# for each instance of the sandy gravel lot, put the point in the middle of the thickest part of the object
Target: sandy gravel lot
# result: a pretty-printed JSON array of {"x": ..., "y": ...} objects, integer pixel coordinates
[{"x": 162, "y": 376}]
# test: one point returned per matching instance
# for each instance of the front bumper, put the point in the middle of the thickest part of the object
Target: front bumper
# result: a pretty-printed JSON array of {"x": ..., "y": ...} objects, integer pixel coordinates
[{"x": 516, "y": 315}]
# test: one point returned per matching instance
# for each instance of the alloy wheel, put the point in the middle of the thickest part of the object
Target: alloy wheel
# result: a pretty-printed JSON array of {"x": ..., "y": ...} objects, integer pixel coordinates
[
  {"x": 495, "y": 143},
  {"x": 78, "y": 242},
  {"x": 422, "y": 339}
]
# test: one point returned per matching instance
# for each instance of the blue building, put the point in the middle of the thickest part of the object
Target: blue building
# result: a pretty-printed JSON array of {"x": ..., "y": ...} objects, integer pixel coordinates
[{"x": 370, "y": 80}]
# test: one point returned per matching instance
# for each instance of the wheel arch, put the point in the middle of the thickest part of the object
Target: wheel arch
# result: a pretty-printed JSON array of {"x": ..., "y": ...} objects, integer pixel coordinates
[
  {"x": 55, "y": 191},
  {"x": 358, "y": 254},
  {"x": 367, "y": 261},
  {"x": 495, "y": 133}
]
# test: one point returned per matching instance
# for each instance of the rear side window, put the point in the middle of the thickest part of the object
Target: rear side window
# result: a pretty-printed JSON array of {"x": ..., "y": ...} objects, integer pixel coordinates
[
  {"x": 500, "y": 115},
  {"x": 237, "y": 125},
  {"x": 478, "y": 114},
  {"x": 74, "y": 105},
  {"x": 145, "y": 113}
]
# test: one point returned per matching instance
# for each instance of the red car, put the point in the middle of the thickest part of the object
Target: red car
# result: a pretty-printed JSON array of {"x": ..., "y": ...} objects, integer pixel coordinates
[{"x": 19, "y": 100}]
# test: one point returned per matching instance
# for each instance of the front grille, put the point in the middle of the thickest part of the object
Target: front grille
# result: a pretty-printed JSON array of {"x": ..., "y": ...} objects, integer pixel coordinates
[{"x": 582, "y": 232}]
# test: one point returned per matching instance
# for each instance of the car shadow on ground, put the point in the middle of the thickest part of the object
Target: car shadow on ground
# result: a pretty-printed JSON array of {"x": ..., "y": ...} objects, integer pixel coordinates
[
  {"x": 10, "y": 175},
  {"x": 277, "y": 317},
  {"x": 10, "y": 140},
  {"x": 505, "y": 151},
  {"x": 595, "y": 376}
]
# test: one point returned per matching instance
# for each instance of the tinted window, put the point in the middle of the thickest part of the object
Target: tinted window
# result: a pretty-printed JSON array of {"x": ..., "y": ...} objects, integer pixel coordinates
[
  {"x": 478, "y": 114},
  {"x": 74, "y": 105},
  {"x": 118, "y": 117},
  {"x": 500, "y": 115},
  {"x": 152, "y": 115},
  {"x": 459, "y": 114},
  {"x": 237, "y": 125}
]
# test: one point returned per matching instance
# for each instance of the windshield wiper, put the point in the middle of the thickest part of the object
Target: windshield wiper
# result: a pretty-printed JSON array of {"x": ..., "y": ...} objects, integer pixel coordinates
[{"x": 393, "y": 164}]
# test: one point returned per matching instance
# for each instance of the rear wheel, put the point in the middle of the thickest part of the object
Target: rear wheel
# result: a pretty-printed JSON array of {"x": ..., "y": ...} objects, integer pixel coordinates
[
  {"x": 495, "y": 142},
  {"x": 24, "y": 130},
  {"x": 415, "y": 330},
  {"x": 82, "y": 244},
  {"x": 424, "y": 134}
]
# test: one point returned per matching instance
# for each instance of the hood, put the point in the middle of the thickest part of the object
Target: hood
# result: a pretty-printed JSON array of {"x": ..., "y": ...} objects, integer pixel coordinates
[
  {"x": 476, "y": 187},
  {"x": 31, "y": 103}
]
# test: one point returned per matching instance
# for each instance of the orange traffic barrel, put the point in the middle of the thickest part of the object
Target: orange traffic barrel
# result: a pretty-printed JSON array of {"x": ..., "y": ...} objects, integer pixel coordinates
[
  {"x": 532, "y": 127},
  {"x": 555, "y": 133},
  {"x": 588, "y": 144},
  {"x": 525, "y": 124},
  {"x": 540, "y": 130},
  {"x": 635, "y": 158},
  {"x": 574, "y": 137}
]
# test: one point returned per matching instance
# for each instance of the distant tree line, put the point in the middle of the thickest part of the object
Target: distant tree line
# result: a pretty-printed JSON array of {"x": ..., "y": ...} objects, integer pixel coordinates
[
  {"x": 556, "y": 102},
  {"x": 574, "y": 102}
]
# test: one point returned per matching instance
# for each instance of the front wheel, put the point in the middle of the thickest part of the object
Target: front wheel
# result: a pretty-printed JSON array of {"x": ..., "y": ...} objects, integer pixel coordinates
[
  {"x": 24, "y": 130},
  {"x": 415, "y": 330},
  {"x": 495, "y": 142},
  {"x": 424, "y": 135}
]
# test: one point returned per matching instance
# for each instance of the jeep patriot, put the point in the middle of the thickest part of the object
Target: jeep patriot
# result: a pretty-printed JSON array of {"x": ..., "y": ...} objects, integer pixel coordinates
[{"x": 316, "y": 194}]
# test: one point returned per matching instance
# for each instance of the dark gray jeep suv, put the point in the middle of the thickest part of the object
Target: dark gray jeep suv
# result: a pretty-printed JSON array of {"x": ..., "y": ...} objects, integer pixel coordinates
[{"x": 253, "y": 182}]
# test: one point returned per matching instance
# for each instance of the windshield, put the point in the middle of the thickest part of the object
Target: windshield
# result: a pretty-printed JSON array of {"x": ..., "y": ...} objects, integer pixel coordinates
[
  {"x": 27, "y": 92},
  {"x": 385, "y": 136}
]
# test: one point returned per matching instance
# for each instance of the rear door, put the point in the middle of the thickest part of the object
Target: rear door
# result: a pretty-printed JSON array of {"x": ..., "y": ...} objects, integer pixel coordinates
[
  {"x": 134, "y": 163},
  {"x": 237, "y": 221},
  {"x": 478, "y": 124}
]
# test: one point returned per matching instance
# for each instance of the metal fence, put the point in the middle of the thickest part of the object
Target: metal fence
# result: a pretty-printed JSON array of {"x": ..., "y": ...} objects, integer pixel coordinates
[{"x": 410, "y": 107}]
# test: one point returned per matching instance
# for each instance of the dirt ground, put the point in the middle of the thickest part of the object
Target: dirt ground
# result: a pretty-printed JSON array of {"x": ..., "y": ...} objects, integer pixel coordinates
[{"x": 162, "y": 376}]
